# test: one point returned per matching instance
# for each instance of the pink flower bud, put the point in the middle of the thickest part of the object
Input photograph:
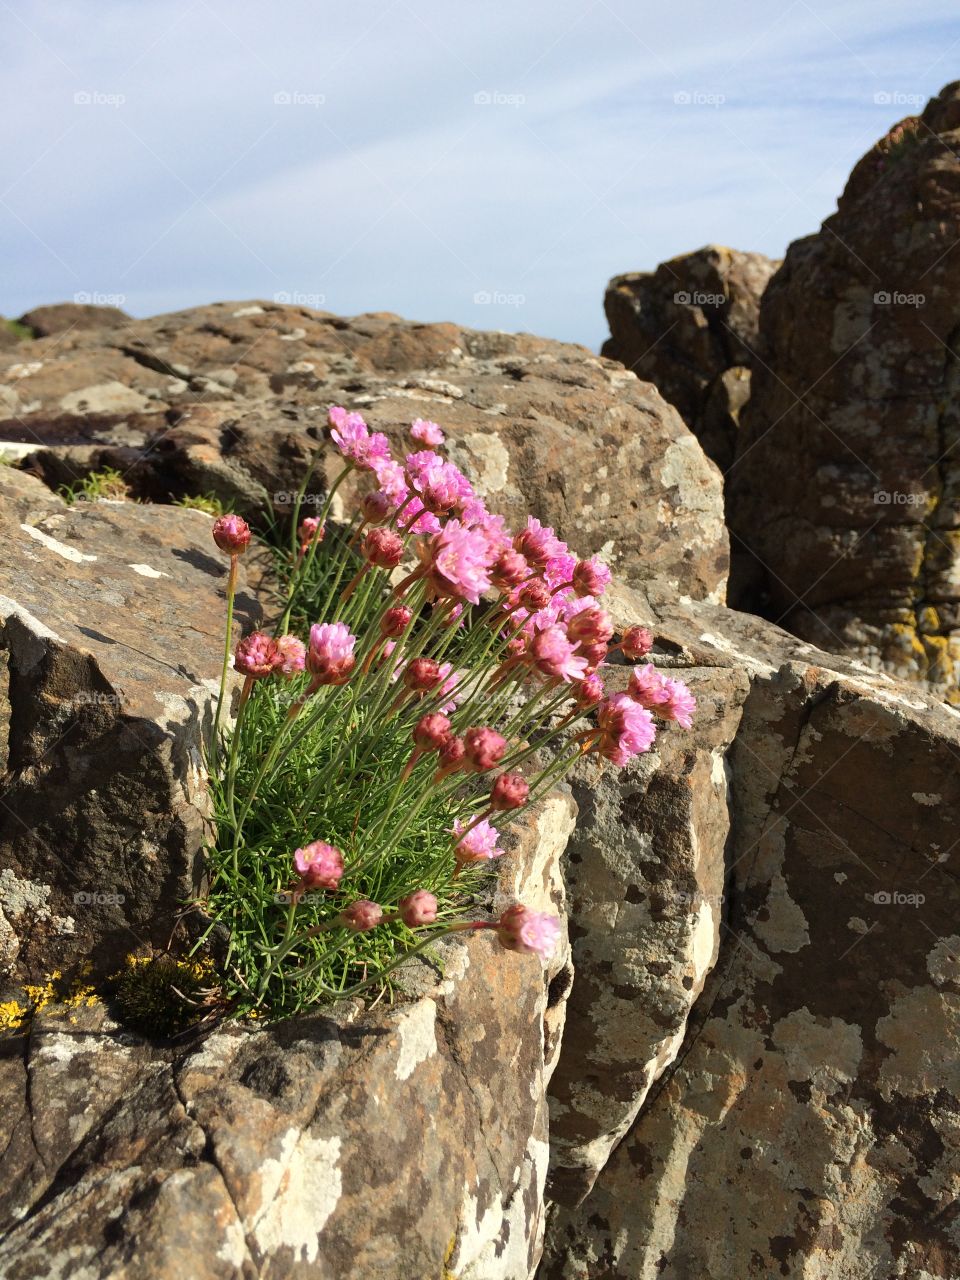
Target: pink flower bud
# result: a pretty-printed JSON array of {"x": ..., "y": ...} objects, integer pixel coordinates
[
  {"x": 311, "y": 530},
  {"x": 536, "y": 595},
  {"x": 231, "y": 534},
  {"x": 422, "y": 674},
  {"x": 535, "y": 932},
  {"x": 426, "y": 432},
  {"x": 451, "y": 757},
  {"x": 383, "y": 548},
  {"x": 257, "y": 655},
  {"x": 485, "y": 748},
  {"x": 361, "y": 915},
  {"x": 509, "y": 569},
  {"x": 320, "y": 865},
  {"x": 418, "y": 908},
  {"x": 591, "y": 577},
  {"x": 590, "y": 626},
  {"x": 593, "y": 654},
  {"x": 538, "y": 543},
  {"x": 293, "y": 654},
  {"x": 395, "y": 621},
  {"x": 431, "y": 731},
  {"x": 510, "y": 791},
  {"x": 636, "y": 643},
  {"x": 589, "y": 691},
  {"x": 376, "y": 507}
]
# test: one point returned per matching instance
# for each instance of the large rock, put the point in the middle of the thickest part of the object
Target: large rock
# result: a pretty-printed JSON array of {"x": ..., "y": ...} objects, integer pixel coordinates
[
  {"x": 111, "y": 634},
  {"x": 61, "y": 317},
  {"x": 232, "y": 399},
  {"x": 340, "y": 1145},
  {"x": 808, "y": 1122},
  {"x": 690, "y": 328},
  {"x": 846, "y": 488}
]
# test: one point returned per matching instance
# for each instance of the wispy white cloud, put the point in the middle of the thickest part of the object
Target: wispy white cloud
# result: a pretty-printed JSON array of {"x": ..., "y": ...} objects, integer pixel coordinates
[{"x": 381, "y": 183}]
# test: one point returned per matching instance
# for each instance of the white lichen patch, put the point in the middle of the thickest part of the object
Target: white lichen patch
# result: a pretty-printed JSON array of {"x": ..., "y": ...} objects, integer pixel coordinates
[
  {"x": 785, "y": 927},
  {"x": 25, "y": 897},
  {"x": 247, "y": 311},
  {"x": 826, "y": 1051},
  {"x": 233, "y": 1250},
  {"x": 922, "y": 1030},
  {"x": 145, "y": 571},
  {"x": 929, "y": 799},
  {"x": 299, "y": 1191},
  {"x": 105, "y": 397},
  {"x": 418, "y": 1038},
  {"x": 52, "y": 544},
  {"x": 943, "y": 962}
]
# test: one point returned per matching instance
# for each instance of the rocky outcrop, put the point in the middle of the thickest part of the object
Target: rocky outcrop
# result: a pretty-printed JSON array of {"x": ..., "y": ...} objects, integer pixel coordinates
[
  {"x": 61, "y": 317},
  {"x": 808, "y": 1120},
  {"x": 340, "y": 1145},
  {"x": 844, "y": 496},
  {"x": 231, "y": 399},
  {"x": 690, "y": 328}
]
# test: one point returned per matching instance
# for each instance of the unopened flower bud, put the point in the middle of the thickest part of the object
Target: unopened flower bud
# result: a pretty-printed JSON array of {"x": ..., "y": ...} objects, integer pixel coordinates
[
  {"x": 418, "y": 908},
  {"x": 636, "y": 643},
  {"x": 485, "y": 748},
  {"x": 591, "y": 577},
  {"x": 395, "y": 621},
  {"x": 383, "y": 548},
  {"x": 509, "y": 569},
  {"x": 510, "y": 791},
  {"x": 431, "y": 731},
  {"x": 231, "y": 534},
  {"x": 589, "y": 691},
  {"x": 311, "y": 530},
  {"x": 590, "y": 626},
  {"x": 451, "y": 756},
  {"x": 257, "y": 655},
  {"x": 376, "y": 507},
  {"x": 535, "y": 595},
  {"x": 361, "y": 915},
  {"x": 422, "y": 674}
]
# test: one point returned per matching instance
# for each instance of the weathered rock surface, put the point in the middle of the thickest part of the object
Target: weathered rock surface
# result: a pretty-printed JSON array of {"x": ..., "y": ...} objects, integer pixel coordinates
[
  {"x": 690, "y": 328},
  {"x": 231, "y": 399},
  {"x": 809, "y": 1123},
  {"x": 111, "y": 638},
  {"x": 60, "y": 317},
  {"x": 846, "y": 489},
  {"x": 411, "y": 1141}
]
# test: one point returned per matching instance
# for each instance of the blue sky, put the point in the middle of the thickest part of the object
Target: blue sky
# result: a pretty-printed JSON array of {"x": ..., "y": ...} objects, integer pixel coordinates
[{"x": 492, "y": 164}]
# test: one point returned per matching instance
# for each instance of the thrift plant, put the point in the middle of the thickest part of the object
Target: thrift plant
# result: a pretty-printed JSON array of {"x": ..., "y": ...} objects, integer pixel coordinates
[{"x": 432, "y": 675}]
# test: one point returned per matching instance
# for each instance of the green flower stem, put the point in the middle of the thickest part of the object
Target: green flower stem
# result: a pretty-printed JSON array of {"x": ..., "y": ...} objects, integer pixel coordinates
[
  {"x": 227, "y": 651},
  {"x": 302, "y": 568}
]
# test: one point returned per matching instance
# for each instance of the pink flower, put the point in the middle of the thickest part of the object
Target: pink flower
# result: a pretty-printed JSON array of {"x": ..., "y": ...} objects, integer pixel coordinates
[
  {"x": 590, "y": 626},
  {"x": 535, "y": 595},
  {"x": 428, "y": 433},
  {"x": 591, "y": 577},
  {"x": 392, "y": 480},
  {"x": 257, "y": 656},
  {"x": 231, "y": 534},
  {"x": 377, "y": 507},
  {"x": 395, "y": 621},
  {"x": 485, "y": 748},
  {"x": 440, "y": 484},
  {"x": 422, "y": 674},
  {"x": 383, "y": 548},
  {"x": 476, "y": 845},
  {"x": 626, "y": 729},
  {"x": 320, "y": 865},
  {"x": 330, "y": 656},
  {"x": 418, "y": 908},
  {"x": 536, "y": 932},
  {"x": 457, "y": 560},
  {"x": 431, "y": 731},
  {"x": 311, "y": 530},
  {"x": 636, "y": 643},
  {"x": 680, "y": 704},
  {"x": 510, "y": 791},
  {"x": 353, "y": 438},
  {"x": 449, "y": 682},
  {"x": 589, "y": 691},
  {"x": 361, "y": 915},
  {"x": 558, "y": 571},
  {"x": 647, "y": 687},
  {"x": 509, "y": 569},
  {"x": 293, "y": 653},
  {"x": 538, "y": 543},
  {"x": 555, "y": 656}
]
